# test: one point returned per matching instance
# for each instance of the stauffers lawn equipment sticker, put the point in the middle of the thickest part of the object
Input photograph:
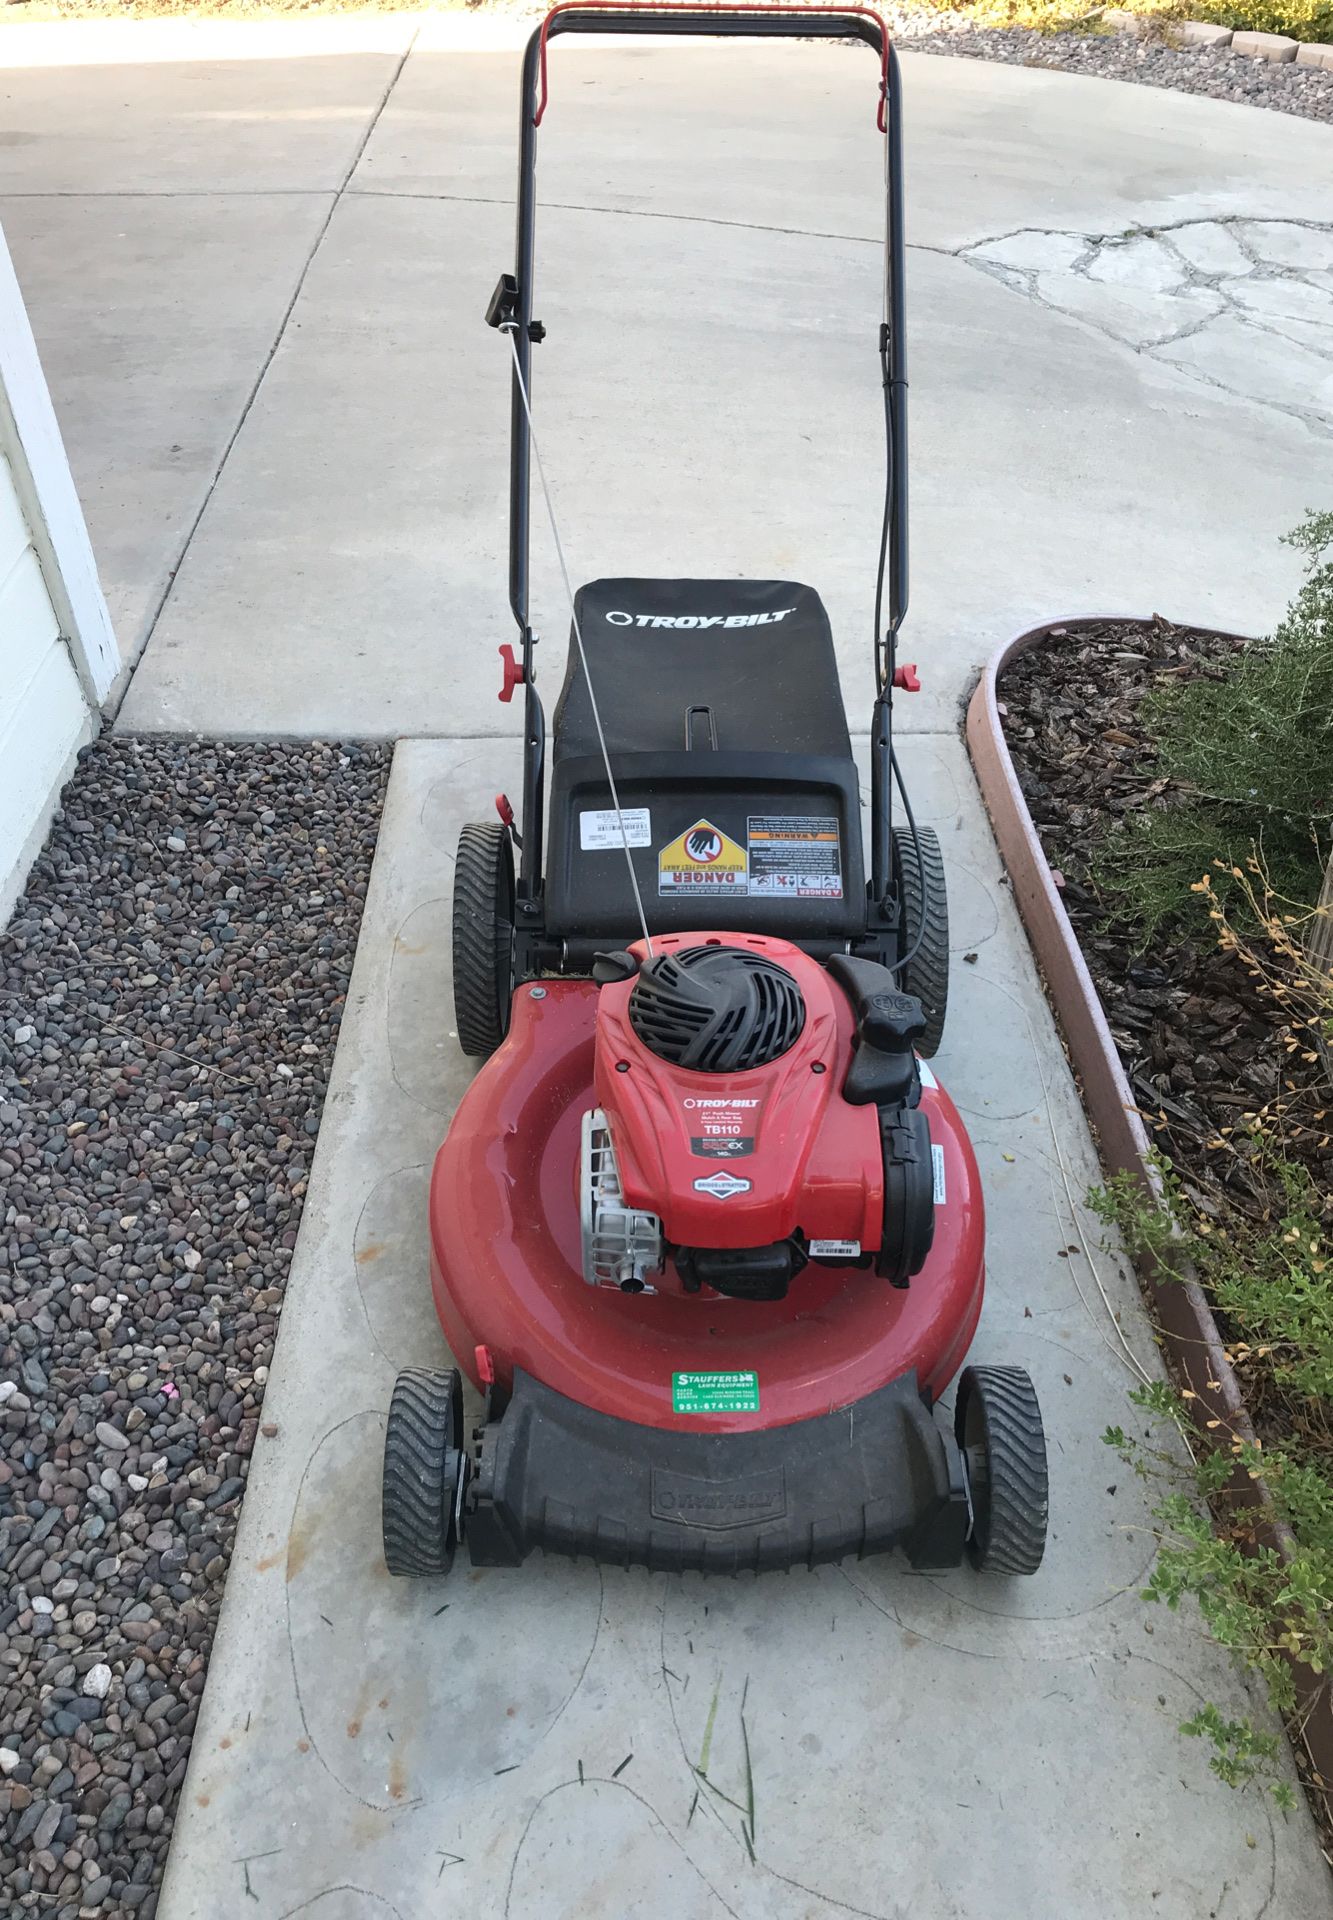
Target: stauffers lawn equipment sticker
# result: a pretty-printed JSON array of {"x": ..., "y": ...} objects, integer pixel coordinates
[
  {"x": 715, "y": 1393},
  {"x": 703, "y": 860}
]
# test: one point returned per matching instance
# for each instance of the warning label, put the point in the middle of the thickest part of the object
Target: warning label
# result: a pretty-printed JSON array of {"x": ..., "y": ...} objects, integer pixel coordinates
[
  {"x": 703, "y": 858},
  {"x": 796, "y": 854}
]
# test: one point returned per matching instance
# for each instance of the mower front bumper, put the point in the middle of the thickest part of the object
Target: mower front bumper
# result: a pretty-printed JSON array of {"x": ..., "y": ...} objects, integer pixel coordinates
[{"x": 879, "y": 1474}]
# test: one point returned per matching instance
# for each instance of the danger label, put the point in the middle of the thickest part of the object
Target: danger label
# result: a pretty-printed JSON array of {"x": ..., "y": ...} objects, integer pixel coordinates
[
  {"x": 796, "y": 854},
  {"x": 703, "y": 859}
]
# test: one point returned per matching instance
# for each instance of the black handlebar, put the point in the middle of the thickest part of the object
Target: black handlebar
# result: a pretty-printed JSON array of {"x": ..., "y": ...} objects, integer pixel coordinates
[{"x": 698, "y": 17}]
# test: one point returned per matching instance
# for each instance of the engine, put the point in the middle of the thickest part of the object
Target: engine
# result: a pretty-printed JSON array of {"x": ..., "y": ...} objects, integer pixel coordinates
[{"x": 757, "y": 1112}]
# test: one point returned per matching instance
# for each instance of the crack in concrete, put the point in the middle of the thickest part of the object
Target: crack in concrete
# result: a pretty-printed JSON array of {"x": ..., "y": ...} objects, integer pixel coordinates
[{"x": 1186, "y": 278}]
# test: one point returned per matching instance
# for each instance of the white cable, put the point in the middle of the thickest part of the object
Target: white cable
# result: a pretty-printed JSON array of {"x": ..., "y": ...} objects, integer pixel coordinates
[{"x": 511, "y": 328}]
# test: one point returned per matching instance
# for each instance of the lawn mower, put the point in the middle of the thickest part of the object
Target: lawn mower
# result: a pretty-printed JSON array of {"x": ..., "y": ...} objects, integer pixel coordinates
[{"x": 706, "y": 1232}]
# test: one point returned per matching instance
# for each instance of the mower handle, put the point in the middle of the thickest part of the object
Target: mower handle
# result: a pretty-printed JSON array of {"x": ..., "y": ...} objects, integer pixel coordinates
[
  {"x": 512, "y": 307},
  {"x": 702, "y": 17}
]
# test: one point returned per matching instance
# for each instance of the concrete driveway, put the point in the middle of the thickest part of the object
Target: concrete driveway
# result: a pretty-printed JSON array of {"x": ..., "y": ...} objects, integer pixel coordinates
[{"x": 257, "y": 259}]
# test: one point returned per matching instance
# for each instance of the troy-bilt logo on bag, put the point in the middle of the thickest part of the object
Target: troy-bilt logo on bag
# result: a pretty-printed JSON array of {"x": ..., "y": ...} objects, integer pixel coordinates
[
  {"x": 721, "y": 1185},
  {"x": 694, "y": 622},
  {"x": 703, "y": 856}
]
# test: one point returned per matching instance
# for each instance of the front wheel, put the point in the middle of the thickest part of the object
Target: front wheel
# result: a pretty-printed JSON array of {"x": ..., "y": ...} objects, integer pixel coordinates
[{"x": 998, "y": 1426}]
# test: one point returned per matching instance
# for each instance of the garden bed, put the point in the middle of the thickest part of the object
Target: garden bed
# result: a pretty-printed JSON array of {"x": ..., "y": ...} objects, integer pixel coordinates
[
  {"x": 171, "y": 987},
  {"x": 1177, "y": 1043}
]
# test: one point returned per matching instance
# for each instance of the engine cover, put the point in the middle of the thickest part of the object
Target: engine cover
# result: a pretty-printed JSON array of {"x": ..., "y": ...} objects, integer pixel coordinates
[{"x": 745, "y": 1158}]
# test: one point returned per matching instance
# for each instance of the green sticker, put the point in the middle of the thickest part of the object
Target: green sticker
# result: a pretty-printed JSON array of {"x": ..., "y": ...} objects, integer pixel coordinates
[{"x": 715, "y": 1393}]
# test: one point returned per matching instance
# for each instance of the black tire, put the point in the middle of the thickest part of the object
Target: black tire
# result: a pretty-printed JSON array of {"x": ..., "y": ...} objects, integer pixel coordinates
[
  {"x": 997, "y": 1423},
  {"x": 925, "y": 928},
  {"x": 425, "y": 1473},
  {"x": 483, "y": 936}
]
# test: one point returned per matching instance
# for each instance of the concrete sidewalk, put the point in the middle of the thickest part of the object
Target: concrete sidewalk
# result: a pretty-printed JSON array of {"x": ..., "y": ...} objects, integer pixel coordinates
[
  {"x": 257, "y": 258},
  {"x": 525, "y": 1744}
]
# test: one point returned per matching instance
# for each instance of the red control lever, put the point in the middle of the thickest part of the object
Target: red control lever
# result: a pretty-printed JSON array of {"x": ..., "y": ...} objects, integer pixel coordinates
[
  {"x": 514, "y": 675},
  {"x": 502, "y": 806},
  {"x": 906, "y": 679}
]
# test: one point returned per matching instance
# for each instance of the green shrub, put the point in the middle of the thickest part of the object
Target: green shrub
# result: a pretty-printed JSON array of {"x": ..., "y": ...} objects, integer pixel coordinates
[
  {"x": 1261, "y": 1605},
  {"x": 1250, "y": 759}
]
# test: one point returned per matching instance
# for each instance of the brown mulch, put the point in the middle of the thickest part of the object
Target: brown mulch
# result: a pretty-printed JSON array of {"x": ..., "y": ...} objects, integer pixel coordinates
[
  {"x": 1199, "y": 1039},
  {"x": 1201, "y": 1042}
]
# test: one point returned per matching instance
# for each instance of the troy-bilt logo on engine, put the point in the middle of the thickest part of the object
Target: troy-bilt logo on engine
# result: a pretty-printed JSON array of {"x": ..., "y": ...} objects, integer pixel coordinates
[{"x": 699, "y": 621}]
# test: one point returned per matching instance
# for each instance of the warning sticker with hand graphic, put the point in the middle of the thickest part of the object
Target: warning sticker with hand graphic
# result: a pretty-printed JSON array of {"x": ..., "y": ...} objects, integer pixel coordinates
[{"x": 703, "y": 858}]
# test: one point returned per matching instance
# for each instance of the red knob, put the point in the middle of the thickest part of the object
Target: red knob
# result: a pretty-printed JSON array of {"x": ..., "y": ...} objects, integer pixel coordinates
[
  {"x": 502, "y": 806},
  {"x": 514, "y": 675},
  {"x": 906, "y": 679}
]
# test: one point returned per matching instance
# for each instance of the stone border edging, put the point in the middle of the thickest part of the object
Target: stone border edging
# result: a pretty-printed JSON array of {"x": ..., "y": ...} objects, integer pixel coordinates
[
  {"x": 1278, "y": 48},
  {"x": 1186, "y": 1328}
]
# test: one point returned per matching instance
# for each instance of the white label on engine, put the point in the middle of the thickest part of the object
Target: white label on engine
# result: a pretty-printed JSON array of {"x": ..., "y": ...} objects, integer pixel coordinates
[
  {"x": 598, "y": 830},
  {"x": 927, "y": 1077},
  {"x": 937, "y": 1155},
  {"x": 721, "y": 1185},
  {"x": 835, "y": 1249}
]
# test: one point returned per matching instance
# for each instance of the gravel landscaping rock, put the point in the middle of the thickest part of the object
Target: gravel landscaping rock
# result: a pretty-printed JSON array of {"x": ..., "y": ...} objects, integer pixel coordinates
[
  {"x": 1292, "y": 86},
  {"x": 167, "y": 1026}
]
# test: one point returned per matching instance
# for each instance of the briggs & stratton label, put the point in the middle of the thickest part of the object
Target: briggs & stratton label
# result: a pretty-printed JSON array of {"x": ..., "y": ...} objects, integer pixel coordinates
[{"x": 721, "y": 1185}]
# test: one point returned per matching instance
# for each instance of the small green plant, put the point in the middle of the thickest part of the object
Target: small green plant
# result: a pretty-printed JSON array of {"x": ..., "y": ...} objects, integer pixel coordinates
[
  {"x": 1264, "y": 1606},
  {"x": 1249, "y": 761}
]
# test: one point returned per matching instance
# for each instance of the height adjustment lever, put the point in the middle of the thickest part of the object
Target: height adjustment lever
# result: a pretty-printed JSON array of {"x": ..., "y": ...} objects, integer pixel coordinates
[
  {"x": 502, "y": 310},
  {"x": 513, "y": 674}
]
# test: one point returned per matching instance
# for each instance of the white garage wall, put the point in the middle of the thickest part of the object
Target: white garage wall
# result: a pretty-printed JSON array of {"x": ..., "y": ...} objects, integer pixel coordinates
[
  {"x": 44, "y": 712},
  {"x": 58, "y": 655}
]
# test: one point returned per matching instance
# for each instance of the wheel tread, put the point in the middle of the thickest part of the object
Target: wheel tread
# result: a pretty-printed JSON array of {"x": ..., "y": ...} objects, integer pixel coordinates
[
  {"x": 482, "y": 937},
  {"x": 1018, "y": 1497},
  {"x": 925, "y": 911},
  {"x": 415, "y": 1492}
]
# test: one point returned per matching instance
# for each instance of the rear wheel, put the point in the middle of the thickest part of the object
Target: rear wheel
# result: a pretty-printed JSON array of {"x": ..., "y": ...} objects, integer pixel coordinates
[
  {"x": 425, "y": 1473},
  {"x": 925, "y": 927},
  {"x": 998, "y": 1426},
  {"x": 483, "y": 936}
]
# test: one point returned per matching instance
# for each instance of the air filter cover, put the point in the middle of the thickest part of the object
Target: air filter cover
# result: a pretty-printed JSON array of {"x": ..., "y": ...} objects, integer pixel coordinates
[{"x": 716, "y": 1008}]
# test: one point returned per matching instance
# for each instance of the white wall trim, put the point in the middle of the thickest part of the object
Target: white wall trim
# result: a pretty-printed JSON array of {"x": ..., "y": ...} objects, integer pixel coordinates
[{"x": 30, "y": 436}]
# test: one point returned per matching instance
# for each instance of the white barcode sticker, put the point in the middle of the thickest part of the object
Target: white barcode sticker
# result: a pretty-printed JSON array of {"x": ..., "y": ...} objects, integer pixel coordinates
[
  {"x": 835, "y": 1249},
  {"x": 937, "y": 1155},
  {"x": 602, "y": 829}
]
